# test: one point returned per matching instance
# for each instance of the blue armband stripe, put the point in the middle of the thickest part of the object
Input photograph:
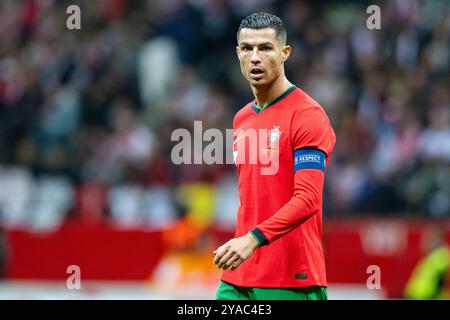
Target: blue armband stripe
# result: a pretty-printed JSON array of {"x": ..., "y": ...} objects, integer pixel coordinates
[{"x": 309, "y": 158}]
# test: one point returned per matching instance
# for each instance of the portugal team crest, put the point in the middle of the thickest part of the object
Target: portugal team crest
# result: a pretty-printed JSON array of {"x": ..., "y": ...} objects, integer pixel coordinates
[{"x": 273, "y": 139}]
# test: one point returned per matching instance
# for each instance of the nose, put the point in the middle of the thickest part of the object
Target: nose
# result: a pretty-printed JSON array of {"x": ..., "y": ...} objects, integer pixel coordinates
[{"x": 255, "y": 57}]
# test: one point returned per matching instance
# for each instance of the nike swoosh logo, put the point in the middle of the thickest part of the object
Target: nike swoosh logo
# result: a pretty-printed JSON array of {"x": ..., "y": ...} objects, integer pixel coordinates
[{"x": 239, "y": 138}]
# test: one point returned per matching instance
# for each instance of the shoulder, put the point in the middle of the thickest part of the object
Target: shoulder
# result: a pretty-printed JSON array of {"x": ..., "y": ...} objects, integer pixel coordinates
[
  {"x": 302, "y": 102},
  {"x": 307, "y": 110},
  {"x": 310, "y": 123}
]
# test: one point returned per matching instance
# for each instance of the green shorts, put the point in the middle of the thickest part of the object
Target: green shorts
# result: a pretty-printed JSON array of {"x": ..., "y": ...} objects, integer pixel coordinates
[{"x": 227, "y": 291}]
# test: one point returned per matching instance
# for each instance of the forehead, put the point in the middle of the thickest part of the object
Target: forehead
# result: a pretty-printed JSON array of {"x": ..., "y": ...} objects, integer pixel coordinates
[{"x": 256, "y": 36}]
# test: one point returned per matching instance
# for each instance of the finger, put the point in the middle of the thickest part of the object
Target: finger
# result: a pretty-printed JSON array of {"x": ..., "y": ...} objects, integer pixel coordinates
[
  {"x": 219, "y": 254},
  {"x": 237, "y": 264},
  {"x": 216, "y": 256},
  {"x": 231, "y": 262},
  {"x": 226, "y": 259},
  {"x": 229, "y": 255}
]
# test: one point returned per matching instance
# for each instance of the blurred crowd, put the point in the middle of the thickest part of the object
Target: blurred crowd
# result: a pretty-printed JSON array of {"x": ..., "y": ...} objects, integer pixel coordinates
[{"x": 86, "y": 115}]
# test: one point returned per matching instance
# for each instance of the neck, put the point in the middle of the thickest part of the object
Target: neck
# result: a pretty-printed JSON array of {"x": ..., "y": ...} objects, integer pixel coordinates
[{"x": 264, "y": 95}]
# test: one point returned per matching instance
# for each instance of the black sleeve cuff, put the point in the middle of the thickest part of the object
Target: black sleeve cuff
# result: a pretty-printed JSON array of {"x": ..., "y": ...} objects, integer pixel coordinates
[{"x": 259, "y": 236}]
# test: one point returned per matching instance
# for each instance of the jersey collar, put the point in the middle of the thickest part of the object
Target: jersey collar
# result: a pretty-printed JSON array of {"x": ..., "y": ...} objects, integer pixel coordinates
[{"x": 277, "y": 99}]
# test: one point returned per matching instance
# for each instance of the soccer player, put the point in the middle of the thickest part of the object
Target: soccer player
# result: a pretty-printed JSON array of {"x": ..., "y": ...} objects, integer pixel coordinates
[{"x": 277, "y": 250}]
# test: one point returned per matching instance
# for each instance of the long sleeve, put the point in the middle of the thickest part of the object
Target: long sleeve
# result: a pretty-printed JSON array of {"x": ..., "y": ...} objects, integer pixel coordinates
[
  {"x": 305, "y": 202},
  {"x": 312, "y": 140}
]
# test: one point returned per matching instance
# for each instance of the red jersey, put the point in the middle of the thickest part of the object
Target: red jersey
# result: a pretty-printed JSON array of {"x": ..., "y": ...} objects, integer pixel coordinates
[{"x": 281, "y": 190}]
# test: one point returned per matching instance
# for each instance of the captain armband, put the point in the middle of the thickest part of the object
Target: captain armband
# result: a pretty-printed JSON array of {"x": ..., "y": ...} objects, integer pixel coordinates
[{"x": 309, "y": 158}]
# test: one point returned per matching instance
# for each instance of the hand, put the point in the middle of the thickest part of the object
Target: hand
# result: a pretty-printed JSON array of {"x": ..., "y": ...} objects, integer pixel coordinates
[{"x": 235, "y": 252}]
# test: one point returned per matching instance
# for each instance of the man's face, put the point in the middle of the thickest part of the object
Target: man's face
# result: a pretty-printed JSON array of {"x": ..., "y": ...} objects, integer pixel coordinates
[{"x": 261, "y": 55}]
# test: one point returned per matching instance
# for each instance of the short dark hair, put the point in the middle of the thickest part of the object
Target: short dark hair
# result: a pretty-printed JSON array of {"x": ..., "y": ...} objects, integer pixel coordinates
[{"x": 261, "y": 20}]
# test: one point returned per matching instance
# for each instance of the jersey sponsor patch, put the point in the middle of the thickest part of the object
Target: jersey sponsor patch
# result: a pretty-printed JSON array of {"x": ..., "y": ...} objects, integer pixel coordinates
[{"x": 309, "y": 158}]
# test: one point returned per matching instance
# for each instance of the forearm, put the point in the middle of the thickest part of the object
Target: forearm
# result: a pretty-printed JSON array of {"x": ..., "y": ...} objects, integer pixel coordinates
[{"x": 305, "y": 203}]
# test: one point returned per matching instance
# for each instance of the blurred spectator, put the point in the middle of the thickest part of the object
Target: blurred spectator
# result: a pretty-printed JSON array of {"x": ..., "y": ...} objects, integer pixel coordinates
[
  {"x": 16, "y": 191},
  {"x": 126, "y": 151},
  {"x": 94, "y": 109},
  {"x": 430, "y": 278}
]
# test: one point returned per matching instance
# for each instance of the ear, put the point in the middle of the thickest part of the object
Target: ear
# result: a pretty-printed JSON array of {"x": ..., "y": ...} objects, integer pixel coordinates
[
  {"x": 286, "y": 52},
  {"x": 238, "y": 51}
]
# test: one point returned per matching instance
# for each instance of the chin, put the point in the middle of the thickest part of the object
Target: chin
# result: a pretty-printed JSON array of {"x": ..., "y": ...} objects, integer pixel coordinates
[{"x": 258, "y": 83}]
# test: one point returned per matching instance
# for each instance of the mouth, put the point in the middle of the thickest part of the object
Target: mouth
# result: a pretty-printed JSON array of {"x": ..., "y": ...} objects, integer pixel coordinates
[{"x": 256, "y": 73}]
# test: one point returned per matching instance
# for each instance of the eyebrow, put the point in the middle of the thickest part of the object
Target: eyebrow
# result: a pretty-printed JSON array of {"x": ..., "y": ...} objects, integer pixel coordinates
[{"x": 242, "y": 44}]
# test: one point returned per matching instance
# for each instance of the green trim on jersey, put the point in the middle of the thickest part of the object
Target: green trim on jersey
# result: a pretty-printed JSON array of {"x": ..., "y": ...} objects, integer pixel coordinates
[
  {"x": 280, "y": 97},
  {"x": 259, "y": 236},
  {"x": 254, "y": 236},
  {"x": 227, "y": 291}
]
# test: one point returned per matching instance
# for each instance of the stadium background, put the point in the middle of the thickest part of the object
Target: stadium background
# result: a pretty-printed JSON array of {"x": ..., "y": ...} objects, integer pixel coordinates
[{"x": 86, "y": 117}]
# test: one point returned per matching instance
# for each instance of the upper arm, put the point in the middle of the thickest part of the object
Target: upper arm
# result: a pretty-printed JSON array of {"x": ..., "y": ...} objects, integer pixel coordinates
[{"x": 313, "y": 140}]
